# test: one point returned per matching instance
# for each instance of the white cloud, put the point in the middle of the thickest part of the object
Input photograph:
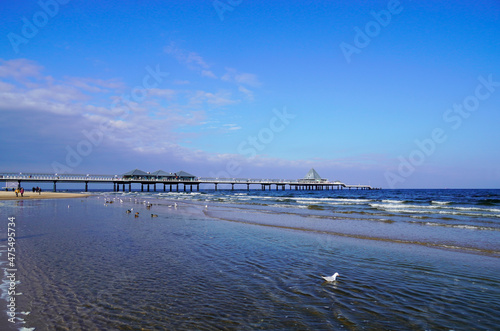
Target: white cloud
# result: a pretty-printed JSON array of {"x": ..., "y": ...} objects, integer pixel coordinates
[
  {"x": 168, "y": 94},
  {"x": 248, "y": 94},
  {"x": 19, "y": 69},
  {"x": 192, "y": 60},
  {"x": 221, "y": 98},
  {"x": 241, "y": 78},
  {"x": 232, "y": 126},
  {"x": 156, "y": 124},
  {"x": 218, "y": 99},
  {"x": 53, "y": 99},
  {"x": 208, "y": 73},
  {"x": 95, "y": 85}
]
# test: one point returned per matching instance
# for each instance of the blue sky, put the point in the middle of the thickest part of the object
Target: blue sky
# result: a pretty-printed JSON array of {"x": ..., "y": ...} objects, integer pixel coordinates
[{"x": 402, "y": 94}]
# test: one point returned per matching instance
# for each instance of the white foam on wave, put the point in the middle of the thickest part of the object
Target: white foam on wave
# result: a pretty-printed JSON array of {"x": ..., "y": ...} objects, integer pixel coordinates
[
  {"x": 393, "y": 201},
  {"x": 436, "y": 208},
  {"x": 425, "y": 210},
  {"x": 463, "y": 226},
  {"x": 441, "y": 202}
]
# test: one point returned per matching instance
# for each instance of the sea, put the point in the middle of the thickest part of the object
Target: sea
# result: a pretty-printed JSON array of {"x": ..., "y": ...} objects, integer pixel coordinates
[{"x": 253, "y": 260}]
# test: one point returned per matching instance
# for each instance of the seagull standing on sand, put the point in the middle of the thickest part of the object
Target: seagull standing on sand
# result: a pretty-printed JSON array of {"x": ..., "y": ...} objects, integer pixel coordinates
[{"x": 331, "y": 278}]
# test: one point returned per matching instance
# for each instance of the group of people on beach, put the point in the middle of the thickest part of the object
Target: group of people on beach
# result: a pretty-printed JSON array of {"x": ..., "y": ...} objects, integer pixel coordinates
[{"x": 19, "y": 190}]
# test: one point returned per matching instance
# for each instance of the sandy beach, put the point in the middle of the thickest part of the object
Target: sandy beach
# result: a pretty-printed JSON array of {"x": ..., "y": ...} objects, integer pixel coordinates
[{"x": 29, "y": 195}]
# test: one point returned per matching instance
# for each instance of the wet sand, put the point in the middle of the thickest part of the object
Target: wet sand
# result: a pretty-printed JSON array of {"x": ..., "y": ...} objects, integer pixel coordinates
[{"x": 29, "y": 195}]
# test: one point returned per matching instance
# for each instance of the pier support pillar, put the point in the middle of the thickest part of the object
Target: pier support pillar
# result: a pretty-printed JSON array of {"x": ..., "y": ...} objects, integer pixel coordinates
[
  {"x": 216, "y": 186},
  {"x": 148, "y": 187},
  {"x": 164, "y": 187},
  {"x": 177, "y": 187},
  {"x": 86, "y": 186},
  {"x": 123, "y": 187},
  {"x": 232, "y": 186},
  {"x": 142, "y": 187},
  {"x": 248, "y": 187},
  {"x": 154, "y": 186},
  {"x": 198, "y": 187},
  {"x": 130, "y": 187}
]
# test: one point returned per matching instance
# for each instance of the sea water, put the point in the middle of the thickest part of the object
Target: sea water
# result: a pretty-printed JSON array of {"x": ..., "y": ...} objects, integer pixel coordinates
[{"x": 408, "y": 259}]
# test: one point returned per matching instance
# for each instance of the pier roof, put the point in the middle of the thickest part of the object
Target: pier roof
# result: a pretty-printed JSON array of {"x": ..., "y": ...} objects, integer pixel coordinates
[
  {"x": 135, "y": 173},
  {"x": 183, "y": 174},
  {"x": 161, "y": 173},
  {"x": 312, "y": 175}
]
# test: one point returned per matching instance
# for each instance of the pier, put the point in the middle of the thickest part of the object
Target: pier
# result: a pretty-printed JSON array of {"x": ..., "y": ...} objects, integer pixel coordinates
[{"x": 178, "y": 182}]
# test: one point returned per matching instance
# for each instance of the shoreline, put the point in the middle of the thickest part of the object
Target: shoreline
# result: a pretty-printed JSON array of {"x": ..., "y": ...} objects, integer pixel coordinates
[{"x": 10, "y": 195}]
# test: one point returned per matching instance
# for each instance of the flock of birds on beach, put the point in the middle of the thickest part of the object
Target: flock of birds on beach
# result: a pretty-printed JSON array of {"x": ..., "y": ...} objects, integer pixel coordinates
[
  {"x": 136, "y": 214},
  {"x": 328, "y": 279}
]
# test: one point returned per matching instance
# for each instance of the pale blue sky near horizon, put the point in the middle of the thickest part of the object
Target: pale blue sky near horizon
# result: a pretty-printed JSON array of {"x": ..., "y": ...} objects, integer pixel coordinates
[{"x": 254, "y": 89}]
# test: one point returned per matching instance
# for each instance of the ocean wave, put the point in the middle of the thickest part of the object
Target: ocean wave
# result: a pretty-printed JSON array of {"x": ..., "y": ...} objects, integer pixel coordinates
[
  {"x": 346, "y": 200},
  {"x": 489, "y": 202},
  {"x": 433, "y": 208},
  {"x": 441, "y": 202},
  {"x": 421, "y": 210},
  {"x": 458, "y": 226},
  {"x": 396, "y": 201}
]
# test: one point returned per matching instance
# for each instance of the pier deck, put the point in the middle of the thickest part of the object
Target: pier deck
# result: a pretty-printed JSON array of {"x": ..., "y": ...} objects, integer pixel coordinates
[{"x": 173, "y": 184}]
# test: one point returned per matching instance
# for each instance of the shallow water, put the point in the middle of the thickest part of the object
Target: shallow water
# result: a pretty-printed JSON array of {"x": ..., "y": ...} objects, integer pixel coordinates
[{"x": 86, "y": 264}]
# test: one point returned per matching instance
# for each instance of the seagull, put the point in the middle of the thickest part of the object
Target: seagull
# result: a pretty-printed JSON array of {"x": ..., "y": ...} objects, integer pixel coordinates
[
  {"x": 331, "y": 278},
  {"x": 129, "y": 211}
]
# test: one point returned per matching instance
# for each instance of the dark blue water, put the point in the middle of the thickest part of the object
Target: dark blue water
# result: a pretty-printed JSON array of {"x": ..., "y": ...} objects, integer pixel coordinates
[{"x": 253, "y": 260}]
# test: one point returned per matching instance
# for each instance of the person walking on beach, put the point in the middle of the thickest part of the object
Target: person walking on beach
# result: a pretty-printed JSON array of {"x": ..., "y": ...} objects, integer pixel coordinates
[
  {"x": 17, "y": 192},
  {"x": 22, "y": 192},
  {"x": 39, "y": 191}
]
